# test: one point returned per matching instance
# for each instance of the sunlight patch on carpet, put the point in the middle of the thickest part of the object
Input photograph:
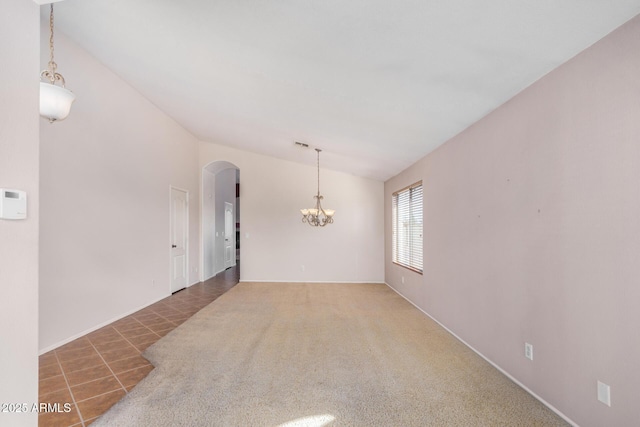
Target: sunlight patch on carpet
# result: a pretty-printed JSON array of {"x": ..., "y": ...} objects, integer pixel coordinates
[{"x": 312, "y": 421}]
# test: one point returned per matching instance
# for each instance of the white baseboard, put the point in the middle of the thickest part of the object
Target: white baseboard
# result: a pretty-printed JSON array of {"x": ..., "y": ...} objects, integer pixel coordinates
[
  {"x": 310, "y": 281},
  {"x": 95, "y": 328},
  {"x": 505, "y": 373}
]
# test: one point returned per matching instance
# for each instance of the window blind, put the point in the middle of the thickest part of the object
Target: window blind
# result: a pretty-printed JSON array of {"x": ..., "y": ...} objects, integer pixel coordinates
[{"x": 407, "y": 227}]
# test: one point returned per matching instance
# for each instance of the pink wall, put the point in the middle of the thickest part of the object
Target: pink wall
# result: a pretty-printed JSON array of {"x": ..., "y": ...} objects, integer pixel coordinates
[
  {"x": 532, "y": 233},
  {"x": 106, "y": 176},
  {"x": 19, "y": 69}
]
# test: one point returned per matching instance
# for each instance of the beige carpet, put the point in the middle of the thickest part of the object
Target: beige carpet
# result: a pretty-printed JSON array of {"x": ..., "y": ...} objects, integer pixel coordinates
[{"x": 320, "y": 355}]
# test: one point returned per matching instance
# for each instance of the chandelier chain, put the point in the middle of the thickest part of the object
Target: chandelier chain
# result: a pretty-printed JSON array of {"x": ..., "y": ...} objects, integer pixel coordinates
[
  {"x": 50, "y": 73},
  {"x": 52, "y": 64},
  {"x": 318, "y": 163}
]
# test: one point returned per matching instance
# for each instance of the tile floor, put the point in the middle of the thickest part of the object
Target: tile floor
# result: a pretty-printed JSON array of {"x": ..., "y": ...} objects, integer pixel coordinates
[{"x": 93, "y": 372}]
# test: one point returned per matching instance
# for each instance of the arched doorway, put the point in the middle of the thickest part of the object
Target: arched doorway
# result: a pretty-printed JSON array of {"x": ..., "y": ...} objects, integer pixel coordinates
[{"x": 220, "y": 217}]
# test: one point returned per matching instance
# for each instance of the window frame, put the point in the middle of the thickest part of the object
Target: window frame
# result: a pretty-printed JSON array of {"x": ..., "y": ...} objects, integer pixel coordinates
[{"x": 409, "y": 209}]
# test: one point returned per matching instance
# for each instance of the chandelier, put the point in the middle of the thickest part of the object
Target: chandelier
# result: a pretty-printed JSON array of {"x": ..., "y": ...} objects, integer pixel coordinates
[
  {"x": 317, "y": 217},
  {"x": 55, "y": 101}
]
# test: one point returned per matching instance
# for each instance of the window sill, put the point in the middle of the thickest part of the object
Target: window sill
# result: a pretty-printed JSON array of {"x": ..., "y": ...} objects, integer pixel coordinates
[{"x": 415, "y": 270}]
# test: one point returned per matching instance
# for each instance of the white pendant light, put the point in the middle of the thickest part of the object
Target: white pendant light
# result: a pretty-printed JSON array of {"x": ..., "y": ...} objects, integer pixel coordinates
[{"x": 55, "y": 101}]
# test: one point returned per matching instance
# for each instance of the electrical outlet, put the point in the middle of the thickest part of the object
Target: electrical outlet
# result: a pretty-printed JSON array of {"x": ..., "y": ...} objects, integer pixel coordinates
[
  {"x": 403, "y": 280},
  {"x": 604, "y": 393},
  {"x": 528, "y": 351},
  {"x": 302, "y": 267}
]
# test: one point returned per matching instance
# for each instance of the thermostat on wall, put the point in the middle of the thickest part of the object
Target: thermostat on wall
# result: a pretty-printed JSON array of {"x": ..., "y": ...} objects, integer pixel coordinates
[{"x": 13, "y": 204}]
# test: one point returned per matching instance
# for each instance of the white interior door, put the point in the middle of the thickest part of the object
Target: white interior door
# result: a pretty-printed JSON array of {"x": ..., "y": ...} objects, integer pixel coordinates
[
  {"x": 179, "y": 238},
  {"x": 229, "y": 236}
]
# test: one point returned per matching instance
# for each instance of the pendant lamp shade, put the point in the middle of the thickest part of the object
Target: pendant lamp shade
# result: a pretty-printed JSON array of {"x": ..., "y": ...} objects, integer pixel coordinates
[{"x": 55, "y": 101}]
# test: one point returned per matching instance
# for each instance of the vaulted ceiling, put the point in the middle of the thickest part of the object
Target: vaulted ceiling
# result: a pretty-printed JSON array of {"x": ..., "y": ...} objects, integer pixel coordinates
[{"x": 376, "y": 84}]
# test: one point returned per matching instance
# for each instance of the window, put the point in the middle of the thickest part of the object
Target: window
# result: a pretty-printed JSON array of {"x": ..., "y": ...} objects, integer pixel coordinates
[{"x": 407, "y": 227}]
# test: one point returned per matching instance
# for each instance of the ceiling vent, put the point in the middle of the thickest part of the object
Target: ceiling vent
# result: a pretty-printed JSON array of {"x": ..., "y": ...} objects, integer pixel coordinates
[{"x": 301, "y": 144}]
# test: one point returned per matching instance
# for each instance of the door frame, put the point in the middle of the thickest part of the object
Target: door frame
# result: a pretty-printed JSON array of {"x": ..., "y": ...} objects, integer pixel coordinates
[
  {"x": 186, "y": 246},
  {"x": 232, "y": 236},
  {"x": 214, "y": 167}
]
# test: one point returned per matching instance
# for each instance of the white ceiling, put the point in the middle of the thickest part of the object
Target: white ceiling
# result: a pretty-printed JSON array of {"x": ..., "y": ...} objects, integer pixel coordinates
[{"x": 376, "y": 84}]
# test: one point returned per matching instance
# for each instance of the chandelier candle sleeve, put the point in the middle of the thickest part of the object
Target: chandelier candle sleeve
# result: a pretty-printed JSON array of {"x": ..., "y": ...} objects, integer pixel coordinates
[{"x": 317, "y": 217}]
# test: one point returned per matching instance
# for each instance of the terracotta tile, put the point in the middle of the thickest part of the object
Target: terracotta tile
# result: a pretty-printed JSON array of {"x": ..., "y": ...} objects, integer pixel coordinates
[
  {"x": 165, "y": 332},
  {"x": 47, "y": 358},
  {"x": 150, "y": 309},
  {"x": 97, "y": 406},
  {"x": 180, "y": 320},
  {"x": 59, "y": 403},
  {"x": 88, "y": 422},
  {"x": 127, "y": 319},
  {"x": 82, "y": 363},
  {"x": 153, "y": 320},
  {"x": 106, "y": 334},
  {"x": 113, "y": 345},
  {"x": 180, "y": 312},
  {"x": 120, "y": 353},
  {"x": 180, "y": 306},
  {"x": 135, "y": 332},
  {"x": 161, "y": 326},
  {"x": 66, "y": 356},
  {"x": 142, "y": 347},
  {"x": 60, "y": 396},
  {"x": 134, "y": 376},
  {"x": 159, "y": 306},
  {"x": 86, "y": 375},
  {"x": 79, "y": 343},
  {"x": 51, "y": 384},
  {"x": 176, "y": 315},
  {"x": 95, "y": 388},
  {"x": 143, "y": 312},
  {"x": 59, "y": 419},
  {"x": 128, "y": 364},
  {"x": 49, "y": 371},
  {"x": 143, "y": 339},
  {"x": 166, "y": 312},
  {"x": 126, "y": 325}
]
